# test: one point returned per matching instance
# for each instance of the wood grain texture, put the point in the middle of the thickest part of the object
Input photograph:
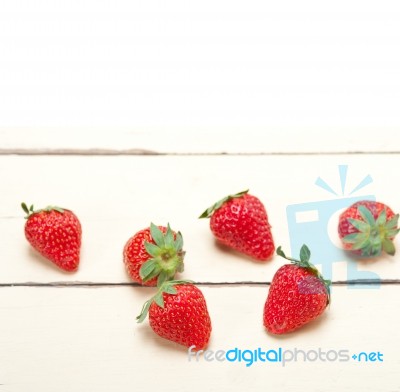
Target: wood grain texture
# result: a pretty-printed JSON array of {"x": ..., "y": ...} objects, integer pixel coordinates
[
  {"x": 75, "y": 339},
  {"x": 116, "y": 196},
  {"x": 198, "y": 140}
]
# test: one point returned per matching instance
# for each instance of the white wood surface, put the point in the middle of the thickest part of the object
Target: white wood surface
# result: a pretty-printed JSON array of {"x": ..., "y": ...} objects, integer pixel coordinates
[{"x": 73, "y": 338}]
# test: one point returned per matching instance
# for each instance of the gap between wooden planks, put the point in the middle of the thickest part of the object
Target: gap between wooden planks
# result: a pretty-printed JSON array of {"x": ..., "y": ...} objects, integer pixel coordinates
[
  {"x": 198, "y": 140},
  {"x": 351, "y": 283}
]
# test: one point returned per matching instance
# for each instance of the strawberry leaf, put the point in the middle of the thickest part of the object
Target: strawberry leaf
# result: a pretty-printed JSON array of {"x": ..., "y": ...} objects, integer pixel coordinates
[
  {"x": 280, "y": 252},
  {"x": 381, "y": 218},
  {"x": 359, "y": 225},
  {"x": 169, "y": 237},
  {"x": 25, "y": 208},
  {"x": 366, "y": 215},
  {"x": 147, "y": 268},
  {"x": 305, "y": 254},
  {"x": 376, "y": 249},
  {"x": 156, "y": 271},
  {"x": 170, "y": 289},
  {"x": 361, "y": 243},
  {"x": 159, "y": 299},
  {"x": 179, "y": 241},
  {"x": 388, "y": 247},
  {"x": 145, "y": 310},
  {"x": 157, "y": 235},
  {"x": 162, "y": 277},
  {"x": 392, "y": 233},
  {"x": 392, "y": 223},
  {"x": 209, "y": 211},
  {"x": 152, "y": 250},
  {"x": 354, "y": 237}
]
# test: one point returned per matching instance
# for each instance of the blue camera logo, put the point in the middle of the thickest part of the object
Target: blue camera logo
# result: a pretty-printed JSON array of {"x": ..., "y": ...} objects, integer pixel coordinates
[{"x": 308, "y": 224}]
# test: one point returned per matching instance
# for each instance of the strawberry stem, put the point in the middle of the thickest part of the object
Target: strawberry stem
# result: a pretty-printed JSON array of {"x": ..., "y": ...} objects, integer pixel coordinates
[
  {"x": 166, "y": 255},
  {"x": 209, "y": 211},
  {"x": 373, "y": 235},
  {"x": 30, "y": 211}
]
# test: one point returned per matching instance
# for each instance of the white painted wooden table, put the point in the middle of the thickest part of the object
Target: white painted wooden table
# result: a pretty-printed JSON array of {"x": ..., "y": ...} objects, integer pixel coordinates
[{"x": 76, "y": 332}]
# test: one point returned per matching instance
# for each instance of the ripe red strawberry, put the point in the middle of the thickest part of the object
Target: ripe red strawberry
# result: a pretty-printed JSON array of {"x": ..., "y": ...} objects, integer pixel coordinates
[
  {"x": 240, "y": 221},
  {"x": 178, "y": 312},
  {"x": 368, "y": 227},
  {"x": 56, "y": 234},
  {"x": 154, "y": 255},
  {"x": 298, "y": 294}
]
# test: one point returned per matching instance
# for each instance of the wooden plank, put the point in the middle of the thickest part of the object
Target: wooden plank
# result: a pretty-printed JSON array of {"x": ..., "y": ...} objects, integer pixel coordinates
[
  {"x": 74, "y": 339},
  {"x": 116, "y": 196},
  {"x": 198, "y": 140}
]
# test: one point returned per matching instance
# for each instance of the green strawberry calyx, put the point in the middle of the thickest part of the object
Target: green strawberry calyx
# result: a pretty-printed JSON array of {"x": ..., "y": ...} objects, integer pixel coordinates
[
  {"x": 30, "y": 210},
  {"x": 374, "y": 235},
  {"x": 304, "y": 262},
  {"x": 209, "y": 211},
  {"x": 166, "y": 255},
  {"x": 167, "y": 287}
]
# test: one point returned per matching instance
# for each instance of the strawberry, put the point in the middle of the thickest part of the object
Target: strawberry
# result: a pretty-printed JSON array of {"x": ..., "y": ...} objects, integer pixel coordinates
[
  {"x": 240, "y": 221},
  {"x": 368, "y": 227},
  {"x": 298, "y": 294},
  {"x": 154, "y": 255},
  {"x": 56, "y": 234},
  {"x": 178, "y": 312}
]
